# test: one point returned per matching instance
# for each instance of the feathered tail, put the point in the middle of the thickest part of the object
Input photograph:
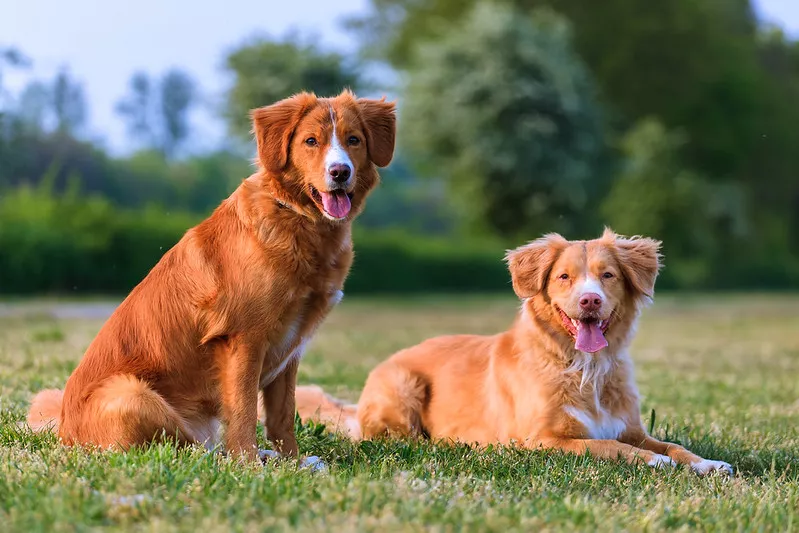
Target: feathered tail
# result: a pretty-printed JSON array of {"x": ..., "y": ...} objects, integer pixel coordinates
[{"x": 45, "y": 411}]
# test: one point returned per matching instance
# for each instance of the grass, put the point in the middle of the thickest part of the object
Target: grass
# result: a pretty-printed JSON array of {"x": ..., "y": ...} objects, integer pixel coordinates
[{"x": 720, "y": 372}]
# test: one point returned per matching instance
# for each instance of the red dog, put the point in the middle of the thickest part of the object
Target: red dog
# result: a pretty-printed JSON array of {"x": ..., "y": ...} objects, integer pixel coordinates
[
  {"x": 227, "y": 312},
  {"x": 561, "y": 377}
]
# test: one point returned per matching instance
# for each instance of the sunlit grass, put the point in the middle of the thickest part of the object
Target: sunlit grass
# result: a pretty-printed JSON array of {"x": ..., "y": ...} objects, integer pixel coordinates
[{"x": 721, "y": 374}]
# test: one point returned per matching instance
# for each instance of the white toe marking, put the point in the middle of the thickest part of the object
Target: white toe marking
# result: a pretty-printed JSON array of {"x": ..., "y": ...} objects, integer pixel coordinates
[
  {"x": 661, "y": 461},
  {"x": 335, "y": 298},
  {"x": 268, "y": 454},
  {"x": 705, "y": 466},
  {"x": 314, "y": 463}
]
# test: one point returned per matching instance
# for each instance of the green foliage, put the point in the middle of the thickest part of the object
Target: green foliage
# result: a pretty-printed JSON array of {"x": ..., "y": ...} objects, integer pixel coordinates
[
  {"x": 691, "y": 63},
  {"x": 73, "y": 244},
  {"x": 518, "y": 137},
  {"x": 654, "y": 195},
  {"x": 266, "y": 71},
  {"x": 69, "y": 243}
]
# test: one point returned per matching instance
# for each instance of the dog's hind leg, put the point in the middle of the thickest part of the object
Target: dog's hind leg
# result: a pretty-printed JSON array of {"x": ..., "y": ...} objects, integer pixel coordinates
[
  {"x": 124, "y": 411},
  {"x": 392, "y": 402}
]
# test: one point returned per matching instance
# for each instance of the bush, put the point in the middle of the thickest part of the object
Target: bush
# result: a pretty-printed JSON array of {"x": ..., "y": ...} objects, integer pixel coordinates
[
  {"x": 86, "y": 245},
  {"x": 69, "y": 244},
  {"x": 79, "y": 245}
]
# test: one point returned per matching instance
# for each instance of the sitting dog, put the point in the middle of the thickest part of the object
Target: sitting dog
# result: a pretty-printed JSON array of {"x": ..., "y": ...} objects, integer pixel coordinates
[
  {"x": 561, "y": 377},
  {"x": 227, "y": 311}
]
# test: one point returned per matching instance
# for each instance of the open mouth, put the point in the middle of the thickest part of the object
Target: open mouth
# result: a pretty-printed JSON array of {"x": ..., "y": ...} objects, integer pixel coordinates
[
  {"x": 336, "y": 204},
  {"x": 588, "y": 333}
]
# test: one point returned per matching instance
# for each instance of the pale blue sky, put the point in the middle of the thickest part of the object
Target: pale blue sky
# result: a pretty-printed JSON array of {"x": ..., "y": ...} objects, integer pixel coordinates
[{"x": 104, "y": 41}]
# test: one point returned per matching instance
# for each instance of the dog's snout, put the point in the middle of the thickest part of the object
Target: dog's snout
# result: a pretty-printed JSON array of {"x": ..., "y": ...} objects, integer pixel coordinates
[
  {"x": 340, "y": 172},
  {"x": 590, "y": 301}
]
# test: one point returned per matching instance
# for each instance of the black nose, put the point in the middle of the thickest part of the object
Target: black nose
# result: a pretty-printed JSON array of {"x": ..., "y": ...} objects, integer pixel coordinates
[{"x": 340, "y": 172}]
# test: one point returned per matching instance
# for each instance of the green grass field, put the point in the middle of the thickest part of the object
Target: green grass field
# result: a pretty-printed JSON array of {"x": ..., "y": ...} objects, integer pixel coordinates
[{"x": 720, "y": 372}]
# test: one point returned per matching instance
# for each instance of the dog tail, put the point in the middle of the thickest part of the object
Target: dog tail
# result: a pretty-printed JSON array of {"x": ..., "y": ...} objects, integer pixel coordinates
[
  {"x": 45, "y": 411},
  {"x": 314, "y": 404}
]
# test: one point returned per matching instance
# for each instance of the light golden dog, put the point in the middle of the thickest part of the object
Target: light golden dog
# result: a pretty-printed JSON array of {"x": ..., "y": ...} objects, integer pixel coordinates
[
  {"x": 227, "y": 312},
  {"x": 561, "y": 377}
]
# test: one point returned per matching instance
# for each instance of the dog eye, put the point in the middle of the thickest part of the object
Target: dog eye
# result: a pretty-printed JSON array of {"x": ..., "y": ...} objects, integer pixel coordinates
[
  {"x": 564, "y": 276},
  {"x": 311, "y": 141},
  {"x": 353, "y": 140},
  {"x": 607, "y": 275}
]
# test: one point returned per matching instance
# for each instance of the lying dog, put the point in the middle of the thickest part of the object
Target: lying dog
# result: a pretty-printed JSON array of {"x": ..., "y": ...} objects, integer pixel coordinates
[
  {"x": 227, "y": 312},
  {"x": 560, "y": 378}
]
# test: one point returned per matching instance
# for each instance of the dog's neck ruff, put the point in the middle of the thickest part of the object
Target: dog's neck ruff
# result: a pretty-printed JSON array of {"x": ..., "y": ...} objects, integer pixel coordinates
[{"x": 283, "y": 205}]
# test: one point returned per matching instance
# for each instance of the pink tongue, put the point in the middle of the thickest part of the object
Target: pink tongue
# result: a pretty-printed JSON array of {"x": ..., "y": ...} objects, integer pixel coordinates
[
  {"x": 336, "y": 203},
  {"x": 590, "y": 338}
]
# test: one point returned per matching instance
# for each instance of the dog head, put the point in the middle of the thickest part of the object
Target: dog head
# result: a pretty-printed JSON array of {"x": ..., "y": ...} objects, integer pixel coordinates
[
  {"x": 321, "y": 153},
  {"x": 588, "y": 292}
]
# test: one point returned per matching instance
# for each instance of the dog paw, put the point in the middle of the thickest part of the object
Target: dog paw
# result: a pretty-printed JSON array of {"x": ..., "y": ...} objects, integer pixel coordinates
[
  {"x": 706, "y": 466},
  {"x": 265, "y": 455},
  {"x": 335, "y": 298},
  {"x": 313, "y": 463},
  {"x": 661, "y": 461}
]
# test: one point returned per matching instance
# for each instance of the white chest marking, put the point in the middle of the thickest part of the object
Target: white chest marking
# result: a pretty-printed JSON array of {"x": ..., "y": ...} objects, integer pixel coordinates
[
  {"x": 280, "y": 351},
  {"x": 206, "y": 432},
  {"x": 290, "y": 338},
  {"x": 601, "y": 426}
]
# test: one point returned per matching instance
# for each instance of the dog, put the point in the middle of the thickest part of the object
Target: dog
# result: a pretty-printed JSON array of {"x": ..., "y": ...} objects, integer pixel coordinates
[
  {"x": 228, "y": 311},
  {"x": 560, "y": 378}
]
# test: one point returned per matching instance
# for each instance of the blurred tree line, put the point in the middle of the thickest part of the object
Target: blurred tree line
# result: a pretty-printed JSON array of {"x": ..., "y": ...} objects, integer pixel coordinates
[{"x": 673, "y": 119}]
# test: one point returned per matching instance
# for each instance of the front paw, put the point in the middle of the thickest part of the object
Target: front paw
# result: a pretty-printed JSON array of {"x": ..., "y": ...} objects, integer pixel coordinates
[
  {"x": 313, "y": 463},
  {"x": 661, "y": 461},
  {"x": 334, "y": 298},
  {"x": 265, "y": 455},
  {"x": 706, "y": 466}
]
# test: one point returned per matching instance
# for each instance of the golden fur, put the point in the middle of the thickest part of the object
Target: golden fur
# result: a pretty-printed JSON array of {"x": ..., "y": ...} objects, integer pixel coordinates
[
  {"x": 529, "y": 386},
  {"x": 227, "y": 311}
]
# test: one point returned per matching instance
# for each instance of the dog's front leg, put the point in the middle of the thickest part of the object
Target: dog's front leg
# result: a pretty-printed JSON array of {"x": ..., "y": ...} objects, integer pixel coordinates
[
  {"x": 607, "y": 449},
  {"x": 679, "y": 454},
  {"x": 240, "y": 363},
  {"x": 279, "y": 404}
]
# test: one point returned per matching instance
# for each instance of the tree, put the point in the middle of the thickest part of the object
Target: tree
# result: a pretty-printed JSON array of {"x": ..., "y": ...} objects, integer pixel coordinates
[
  {"x": 655, "y": 195},
  {"x": 177, "y": 97},
  {"x": 265, "y": 71},
  {"x": 136, "y": 109},
  {"x": 159, "y": 120},
  {"x": 518, "y": 137},
  {"x": 68, "y": 104},
  {"x": 13, "y": 58},
  {"x": 34, "y": 105},
  {"x": 691, "y": 63}
]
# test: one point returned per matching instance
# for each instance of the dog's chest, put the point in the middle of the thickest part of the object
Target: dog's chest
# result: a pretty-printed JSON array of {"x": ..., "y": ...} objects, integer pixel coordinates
[{"x": 597, "y": 423}]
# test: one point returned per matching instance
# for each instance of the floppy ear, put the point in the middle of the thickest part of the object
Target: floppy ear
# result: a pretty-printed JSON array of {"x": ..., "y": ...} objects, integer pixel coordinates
[
  {"x": 380, "y": 121},
  {"x": 273, "y": 127},
  {"x": 531, "y": 264},
  {"x": 640, "y": 260}
]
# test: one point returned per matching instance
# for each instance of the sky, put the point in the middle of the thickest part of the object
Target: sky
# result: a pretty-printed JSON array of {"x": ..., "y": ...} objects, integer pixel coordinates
[{"x": 103, "y": 42}]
